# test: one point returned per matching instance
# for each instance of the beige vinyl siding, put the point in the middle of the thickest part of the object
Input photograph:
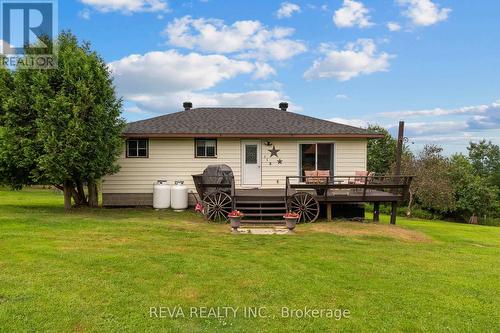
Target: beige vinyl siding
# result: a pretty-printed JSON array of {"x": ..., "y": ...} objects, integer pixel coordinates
[
  {"x": 170, "y": 159},
  {"x": 173, "y": 159},
  {"x": 274, "y": 174},
  {"x": 350, "y": 156}
]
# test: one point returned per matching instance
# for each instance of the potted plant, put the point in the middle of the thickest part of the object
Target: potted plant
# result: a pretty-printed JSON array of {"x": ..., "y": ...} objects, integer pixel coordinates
[
  {"x": 235, "y": 219},
  {"x": 291, "y": 220}
]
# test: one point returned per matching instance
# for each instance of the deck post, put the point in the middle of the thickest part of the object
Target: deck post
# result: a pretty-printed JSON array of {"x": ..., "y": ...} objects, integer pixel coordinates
[
  {"x": 394, "y": 211},
  {"x": 329, "y": 211},
  {"x": 376, "y": 211}
]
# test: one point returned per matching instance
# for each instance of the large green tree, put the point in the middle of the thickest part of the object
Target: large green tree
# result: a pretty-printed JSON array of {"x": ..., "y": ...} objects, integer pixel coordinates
[
  {"x": 19, "y": 148},
  {"x": 381, "y": 152},
  {"x": 5, "y": 88},
  {"x": 485, "y": 159},
  {"x": 432, "y": 186},
  {"x": 71, "y": 118},
  {"x": 473, "y": 193}
]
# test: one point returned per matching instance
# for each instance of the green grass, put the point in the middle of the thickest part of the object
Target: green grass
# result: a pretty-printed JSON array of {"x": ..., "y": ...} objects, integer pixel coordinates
[{"x": 102, "y": 270}]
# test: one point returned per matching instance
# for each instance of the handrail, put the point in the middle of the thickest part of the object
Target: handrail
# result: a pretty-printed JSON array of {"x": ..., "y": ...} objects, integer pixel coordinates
[{"x": 369, "y": 182}]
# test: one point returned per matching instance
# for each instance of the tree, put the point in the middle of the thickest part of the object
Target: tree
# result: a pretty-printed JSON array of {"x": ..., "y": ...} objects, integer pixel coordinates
[
  {"x": 485, "y": 159},
  {"x": 473, "y": 194},
  {"x": 432, "y": 185},
  {"x": 83, "y": 113},
  {"x": 19, "y": 148},
  {"x": 73, "y": 117},
  {"x": 6, "y": 86},
  {"x": 381, "y": 152}
]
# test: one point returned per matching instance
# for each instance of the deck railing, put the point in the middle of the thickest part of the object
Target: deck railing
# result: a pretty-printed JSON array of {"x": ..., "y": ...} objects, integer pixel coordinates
[{"x": 398, "y": 185}]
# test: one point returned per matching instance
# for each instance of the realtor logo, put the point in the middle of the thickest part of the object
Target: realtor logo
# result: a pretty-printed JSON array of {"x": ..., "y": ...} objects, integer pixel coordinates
[{"x": 28, "y": 28}]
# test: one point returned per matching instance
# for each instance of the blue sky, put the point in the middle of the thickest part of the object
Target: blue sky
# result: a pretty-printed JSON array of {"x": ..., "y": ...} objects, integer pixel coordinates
[{"x": 433, "y": 63}]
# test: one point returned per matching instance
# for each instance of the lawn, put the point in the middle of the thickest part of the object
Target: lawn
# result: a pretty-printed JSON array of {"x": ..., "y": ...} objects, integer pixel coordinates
[{"x": 103, "y": 270}]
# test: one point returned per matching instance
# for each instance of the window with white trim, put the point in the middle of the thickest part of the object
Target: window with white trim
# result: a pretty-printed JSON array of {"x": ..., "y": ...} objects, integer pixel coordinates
[
  {"x": 138, "y": 148},
  {"x": 205, "y": 148},
  {"x": 316, "y": 156}
]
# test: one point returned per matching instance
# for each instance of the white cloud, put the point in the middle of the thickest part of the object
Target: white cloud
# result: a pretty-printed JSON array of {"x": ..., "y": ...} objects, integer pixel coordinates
[
  {"x": 424, "y": 12},
  {"x": 167, "y": 71},
  {"x": 356, "y": 59},
  {"x": 3, "y": 45},
  {"x": 84, "y": 14},
  {"x": 246, "y": 39},
  {"x": 424, "y": 127},
  {"x": 263, "y": 70},
  {"x": 171, "y": 102},
  {"x": 393, "y": 26},
  {"x": 128, "y": 6},
  {"x": 439, "y": 121},
  {"x": 158, "y": 82},
  {"x": 341, "y": 96},
  {"x": 465, "y": 110},
  {"x": 351, "y": 122},
  {"x": 352, "y": 13},
  {"x": 287, "y": 9},
  {"x": 133, "y": 109}
]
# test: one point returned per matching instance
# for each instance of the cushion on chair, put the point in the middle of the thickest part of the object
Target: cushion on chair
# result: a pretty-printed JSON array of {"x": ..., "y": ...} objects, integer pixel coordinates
[
  {"x": 360, "y": 177},
  {"x": 316, "y": 176}
]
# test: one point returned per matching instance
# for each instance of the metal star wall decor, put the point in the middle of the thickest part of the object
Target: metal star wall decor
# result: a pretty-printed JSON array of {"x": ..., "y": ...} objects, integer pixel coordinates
[
  {"x": 280, "y": 161},
  {"x": 274, "y": 151}
]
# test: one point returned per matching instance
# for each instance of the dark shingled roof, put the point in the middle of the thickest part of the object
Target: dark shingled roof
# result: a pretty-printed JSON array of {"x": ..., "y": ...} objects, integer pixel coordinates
[{"x": 241, "y": 122}]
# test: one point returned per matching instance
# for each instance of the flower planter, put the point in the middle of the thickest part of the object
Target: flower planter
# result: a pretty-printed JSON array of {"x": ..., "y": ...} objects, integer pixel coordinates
[
  {"x": 235, "y": 219},
  {"x": 291, "y": 222},
  {"x": 235, "y": 222}
]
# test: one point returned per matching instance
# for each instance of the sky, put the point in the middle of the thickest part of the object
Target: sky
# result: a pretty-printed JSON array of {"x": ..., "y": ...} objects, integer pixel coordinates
[{"x": 433, "y": 63}]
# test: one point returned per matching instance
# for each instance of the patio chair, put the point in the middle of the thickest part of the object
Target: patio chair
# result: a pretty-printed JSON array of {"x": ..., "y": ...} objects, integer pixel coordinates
[
  {"x": 361, "y": 177},
  {"x": 316, "y": 176}
]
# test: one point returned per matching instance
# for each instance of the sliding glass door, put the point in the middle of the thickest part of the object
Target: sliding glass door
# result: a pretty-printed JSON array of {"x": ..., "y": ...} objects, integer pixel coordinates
[{"x": 316, "y": 156}]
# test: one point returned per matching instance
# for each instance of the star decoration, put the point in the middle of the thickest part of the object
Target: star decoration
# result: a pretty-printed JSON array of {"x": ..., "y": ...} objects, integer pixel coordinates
[
  {"x": 280, "y": 161},
  {"x": 274, "y": 151}
]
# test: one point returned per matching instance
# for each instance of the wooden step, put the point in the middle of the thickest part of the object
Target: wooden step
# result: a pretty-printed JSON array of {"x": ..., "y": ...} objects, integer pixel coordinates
[
  {"x": 260, "y": 199},
  {"x": 263, "y": 214},
  {"x": 271, "y": 222},
  {"x": 259, "y": 202},
  {"x": 283, "y": 208}
]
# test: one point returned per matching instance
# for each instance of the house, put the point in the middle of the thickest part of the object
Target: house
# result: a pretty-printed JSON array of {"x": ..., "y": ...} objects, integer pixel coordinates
[{"x": 262, "y": 146}]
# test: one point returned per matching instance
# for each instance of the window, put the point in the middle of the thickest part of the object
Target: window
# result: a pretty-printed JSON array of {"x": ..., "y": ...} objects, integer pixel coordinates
[
  {"x": 251, "y": 154},
  {"x": 138, "y": 148},
  {"x": 316, "y": 156},
  {"x": 205, "y": 148}
]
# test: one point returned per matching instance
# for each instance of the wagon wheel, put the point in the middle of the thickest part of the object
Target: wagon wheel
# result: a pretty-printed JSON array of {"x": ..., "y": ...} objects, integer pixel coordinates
[
  {"x": 217, "y": 206},
  {"x": 305, "y": 205}
]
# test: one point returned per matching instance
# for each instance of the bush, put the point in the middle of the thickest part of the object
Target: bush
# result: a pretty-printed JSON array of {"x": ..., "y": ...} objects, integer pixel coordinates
[
  {"x": 490, "y": 221},
  {"x": 416, "y": 212}
]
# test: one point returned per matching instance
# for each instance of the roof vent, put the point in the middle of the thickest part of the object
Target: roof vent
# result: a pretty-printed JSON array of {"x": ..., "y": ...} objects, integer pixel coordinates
[
  {"x": 283, "y": 106},
  {"x": 187, "y": 106}
]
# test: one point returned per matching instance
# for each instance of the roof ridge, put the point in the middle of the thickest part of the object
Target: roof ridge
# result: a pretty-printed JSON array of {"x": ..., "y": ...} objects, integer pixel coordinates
[{"x": 242, "y": 121}]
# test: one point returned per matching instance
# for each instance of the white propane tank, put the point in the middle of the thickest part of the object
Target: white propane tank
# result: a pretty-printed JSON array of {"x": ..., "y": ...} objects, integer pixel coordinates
[
  {"x": 161, "y": 195},
  {"x": 179, "y": 196}
]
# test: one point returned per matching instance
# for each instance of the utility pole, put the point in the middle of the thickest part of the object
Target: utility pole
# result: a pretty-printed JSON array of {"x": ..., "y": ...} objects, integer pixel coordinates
[{"x": 397, "y": 171}]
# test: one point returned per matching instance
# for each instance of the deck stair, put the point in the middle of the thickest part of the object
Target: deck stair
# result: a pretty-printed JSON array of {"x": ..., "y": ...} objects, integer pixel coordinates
[{"x": 262, "y": 210}]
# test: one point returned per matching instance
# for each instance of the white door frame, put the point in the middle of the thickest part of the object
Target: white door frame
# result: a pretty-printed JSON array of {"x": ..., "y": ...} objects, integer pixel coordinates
[{"x": 259, "y": 162}]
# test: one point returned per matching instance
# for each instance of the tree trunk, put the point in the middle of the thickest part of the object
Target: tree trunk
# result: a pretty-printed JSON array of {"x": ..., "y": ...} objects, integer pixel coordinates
[
  {"x": 82, "y": 199},
  {"x": 93, "y": 194},
  {"x": 76, "y": 197},
  {"x": 68, "y": 189}
]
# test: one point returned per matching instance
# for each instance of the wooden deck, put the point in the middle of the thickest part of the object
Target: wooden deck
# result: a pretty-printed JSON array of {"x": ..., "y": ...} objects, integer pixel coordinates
[
  {"x": 261, "y": 205},
  {"x": 306, "y": 195},
  {"x": 267, "y": 206},
  {"x": 333, "y": 195}
]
